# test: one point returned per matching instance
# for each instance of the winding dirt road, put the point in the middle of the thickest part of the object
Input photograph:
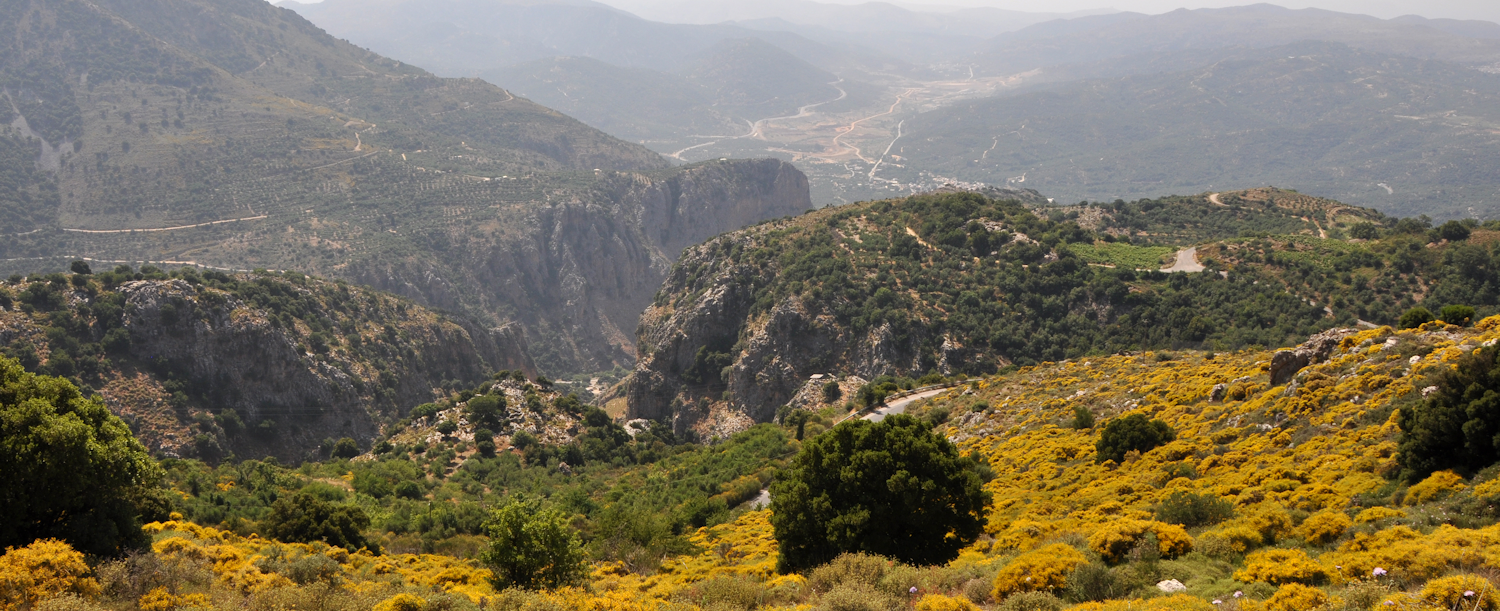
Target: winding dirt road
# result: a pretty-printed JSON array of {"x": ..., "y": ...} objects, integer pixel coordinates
[
  {"x": 1187, "y": 261},
  {"x": 899, "y": 405}
]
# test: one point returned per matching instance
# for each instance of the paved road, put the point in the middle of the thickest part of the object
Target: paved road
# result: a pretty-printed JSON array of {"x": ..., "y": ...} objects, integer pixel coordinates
[
  {"x": 1187, "y": 261},
  {"x": 899, "y": 405}
]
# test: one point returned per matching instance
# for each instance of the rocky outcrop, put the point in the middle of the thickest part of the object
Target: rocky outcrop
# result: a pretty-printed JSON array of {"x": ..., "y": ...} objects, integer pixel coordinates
[
  {"x": 572, "y": 276},
  {"x": 336, "y": 364},
  {"x": 771, "y": 355},
  {"x": 1286, "y": 363}
]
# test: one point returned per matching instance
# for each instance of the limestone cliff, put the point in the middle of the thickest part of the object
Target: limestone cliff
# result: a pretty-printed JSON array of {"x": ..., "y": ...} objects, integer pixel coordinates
[
  {"x": 574, "y": 273},
  {"x": 249, "y": 365}
]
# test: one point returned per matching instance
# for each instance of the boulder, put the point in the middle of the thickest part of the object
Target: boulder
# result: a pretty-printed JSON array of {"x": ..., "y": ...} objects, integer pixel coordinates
[
  {"x": 1171, "y": 585},
  {"x": 1220, "y": 391},
  {"x": 1286, "y": 363}
]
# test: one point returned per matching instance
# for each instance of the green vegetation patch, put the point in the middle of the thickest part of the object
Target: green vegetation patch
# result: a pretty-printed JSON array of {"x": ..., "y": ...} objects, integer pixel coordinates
[{"x": 1122, "y": 255}]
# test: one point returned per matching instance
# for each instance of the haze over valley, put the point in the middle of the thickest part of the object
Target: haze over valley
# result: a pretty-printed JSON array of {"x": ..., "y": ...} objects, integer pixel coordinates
[{"x": 876, "y": 100}]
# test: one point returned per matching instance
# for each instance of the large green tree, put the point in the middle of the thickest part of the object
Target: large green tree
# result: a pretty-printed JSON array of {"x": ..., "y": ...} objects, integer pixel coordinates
[
  {"x": 533, "y": 547},
  {"x": 1131, "y": 433},
  {"x": 1458, "y": 426},
  {"x": 304, "y": 518},
  {"x": 893, "y": 488},
  {"x": 69, "y": 469}
]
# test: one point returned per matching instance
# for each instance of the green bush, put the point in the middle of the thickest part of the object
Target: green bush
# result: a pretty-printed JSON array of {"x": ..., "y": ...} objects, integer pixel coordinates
[
  {"x": 916, "y": 499},
  {"x": 1364, "y": 231},
  {"x": 1460, "y": 315},
  {"x": 831, "y": 392},
  {"x": 1082, "y": 417},
  {"x": 1192, "y": 509},
  {"x": 1457, "y": 426},
  {"x": 1093, "y": 582},
  {"x": 304, "y": 518},
  {"x": 532, "y": 547},
  {"x": 1453, "y": 231},
  {"x": 487, "y": 411},
  {"x": 409, "y": 490},
  {"x": 1415, "y": 317},
  {"x": 1131, "y": 433},
  {"x": 344, "y": 448},
  {"x": 856, "y": 568}
]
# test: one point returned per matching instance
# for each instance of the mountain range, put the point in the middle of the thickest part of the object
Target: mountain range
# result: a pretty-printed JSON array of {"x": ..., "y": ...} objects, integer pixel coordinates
[
  {"x": 943, "y": 107},
  {"x": 234, "y": 134},
  {"x": 1405, "y": 135}
]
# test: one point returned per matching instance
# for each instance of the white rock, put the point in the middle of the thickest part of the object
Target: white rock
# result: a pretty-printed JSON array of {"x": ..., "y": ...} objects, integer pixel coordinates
[{"x": 1171, "y": 585}]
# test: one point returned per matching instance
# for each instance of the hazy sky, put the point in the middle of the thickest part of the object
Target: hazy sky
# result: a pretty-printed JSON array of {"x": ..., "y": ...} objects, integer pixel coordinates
[
  {"x": 1488, "y": 10},
  {"x": 1455, "y": 9}
]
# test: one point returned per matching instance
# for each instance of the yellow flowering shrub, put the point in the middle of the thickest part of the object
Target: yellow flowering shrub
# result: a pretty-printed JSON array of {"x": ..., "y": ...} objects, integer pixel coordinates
[
  {"x": 1488, "y": 489},
  {"x": 162, "y": 599},
  {"x": 1281, "y": 566},
  {"x": 401, "y": 602},
  {"x": 1239, "y": 538},
  {"x": 1376, "y": 514},
  {"x": 1042, "y": 569},
  {"x": 1436, "y": 487},
  {"x": 1172, "y": 540},
  {"x": 1296, "y": 597},
  {"x": 1272, "y": 523},
  {"x": 939, "y": 602},
  {"x": 1411, "y": 556},
  {"x": 1324, "y": 528},
  {"x": 1115, "y": 538},
  {"x": 1468, "y": 592},
  {"x": 158, "y": 599},
  {"x": 45, "y": 568}
]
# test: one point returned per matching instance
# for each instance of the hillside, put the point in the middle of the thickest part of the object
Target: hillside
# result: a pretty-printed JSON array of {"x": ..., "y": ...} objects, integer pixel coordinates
[
  {"x": 724, "y": 90},
  {"x": 962, "y": 284},
  {"x": 233, "y": 134},
  {"x": 634, "y": 103},
  {"x": 213, "y": 365},
  {"x": 1098, "y": 38},
  {"x": 756, "y": 79},
  {"x": 1272, "y": 496},
  {"x": 1324, "y": 118}
]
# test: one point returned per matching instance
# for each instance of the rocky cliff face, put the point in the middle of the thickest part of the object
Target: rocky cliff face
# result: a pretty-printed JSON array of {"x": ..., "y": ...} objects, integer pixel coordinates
[
  {"x": 209, "y": 369},
  {"x": 766, "y": 358},
  {"x": 573, "y": 275}
]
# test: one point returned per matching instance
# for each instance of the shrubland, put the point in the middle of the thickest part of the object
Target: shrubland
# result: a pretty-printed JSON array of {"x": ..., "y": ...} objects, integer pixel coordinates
[
  {"x": 1266, "y": 497},
  {"x": 1357, "y": 480},
  {"x": 950, "y": 284}
]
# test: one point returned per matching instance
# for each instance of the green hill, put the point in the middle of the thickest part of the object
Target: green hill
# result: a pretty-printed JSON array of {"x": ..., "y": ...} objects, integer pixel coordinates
[
  {"x": 234, "y": 134},
  {"x": 962, "y": 284},
  {"x": 1403, "y": 135}
]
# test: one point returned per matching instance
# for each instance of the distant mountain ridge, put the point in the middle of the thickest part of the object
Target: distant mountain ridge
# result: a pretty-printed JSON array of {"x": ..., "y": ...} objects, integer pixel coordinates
[
  {"x": 234, "y": 134},
  {"x": 1101, "y": 37},
  {"x": 471, "y": 38},
  {"x": 1405, "y": 135}
]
